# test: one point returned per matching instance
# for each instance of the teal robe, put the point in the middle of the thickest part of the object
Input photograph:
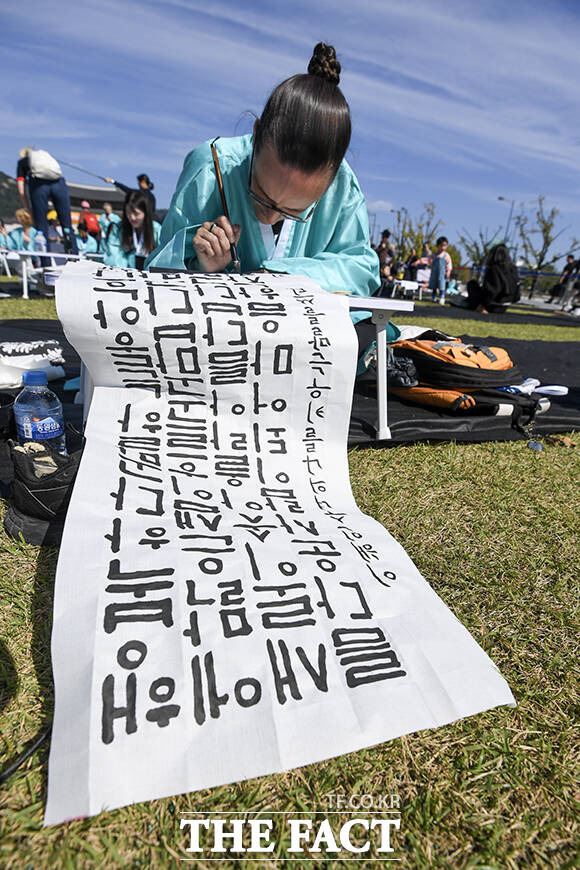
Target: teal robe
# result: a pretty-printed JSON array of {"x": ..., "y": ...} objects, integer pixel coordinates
[
  {"x": 16, "y": 240},
  {"x": 105, "y": 222},
  {"x": 89, "y": 246},
  {"x": 114, "y": 253},
  {"x": 332, "y": 248}
]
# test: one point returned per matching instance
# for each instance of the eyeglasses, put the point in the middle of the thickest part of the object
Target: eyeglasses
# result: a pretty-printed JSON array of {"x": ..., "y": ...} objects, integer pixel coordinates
[{"x": 270, "y": 206}]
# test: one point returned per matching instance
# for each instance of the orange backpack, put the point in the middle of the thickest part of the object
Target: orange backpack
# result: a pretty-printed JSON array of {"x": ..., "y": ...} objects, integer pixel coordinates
[{"x": 450, "y": 372}]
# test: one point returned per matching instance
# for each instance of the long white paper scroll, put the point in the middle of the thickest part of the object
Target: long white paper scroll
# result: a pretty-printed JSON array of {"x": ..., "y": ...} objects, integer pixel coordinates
[{"x": 223, "y": 610}]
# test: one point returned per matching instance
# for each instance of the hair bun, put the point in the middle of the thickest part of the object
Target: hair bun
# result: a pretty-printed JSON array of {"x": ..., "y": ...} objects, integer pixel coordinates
[{"x": 324, "y": 64}]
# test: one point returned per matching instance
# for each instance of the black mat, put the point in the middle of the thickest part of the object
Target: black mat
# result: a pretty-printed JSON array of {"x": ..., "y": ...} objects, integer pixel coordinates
[{"x": 550, "y": 362}]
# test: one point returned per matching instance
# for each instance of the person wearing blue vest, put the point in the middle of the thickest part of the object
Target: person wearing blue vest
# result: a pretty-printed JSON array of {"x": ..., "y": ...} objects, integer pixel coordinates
[
  {"x": 294, "y": 202},
  {"x": 128, "y": 242}
]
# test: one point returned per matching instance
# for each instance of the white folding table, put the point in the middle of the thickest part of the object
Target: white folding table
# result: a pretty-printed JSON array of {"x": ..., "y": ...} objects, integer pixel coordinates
[
  {"x": 26, "y": 256},
  {"x": 381, "y": 310}
]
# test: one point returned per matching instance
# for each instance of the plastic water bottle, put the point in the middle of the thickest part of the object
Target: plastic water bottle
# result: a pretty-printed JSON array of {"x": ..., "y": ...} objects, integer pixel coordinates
[
  {"x": 38, "y": 413},
  {"x": 40, "y": 242}
]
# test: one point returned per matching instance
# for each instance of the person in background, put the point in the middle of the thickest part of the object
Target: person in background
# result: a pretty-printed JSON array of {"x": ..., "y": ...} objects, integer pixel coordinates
[
  {"x": 86, "y": 243},
  {"x": 40, "y": 178},
  {"x": 295, "y": 204},
  {"x": 412, "y": 265},
  {"x": 130, "y": 241},
  {"x": 3, "y": 235},
  {"x": 559, "y": 288},
  {"x": 54, "y": 231},
  {"x": 500, "y": 283},
  {"x": 145, "y": 185},
  {"x": 106, "y": 219},
  {"x": 385, "y": 252},
  {"x": 88, "y": 221},
  {"x": 569, "y": 301},
  {"x": 441, "y": 267},
  {"x": 23, "y": 237}
]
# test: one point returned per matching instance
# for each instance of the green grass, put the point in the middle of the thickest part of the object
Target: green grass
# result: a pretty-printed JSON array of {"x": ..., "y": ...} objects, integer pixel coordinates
[
  {"x": 18, "y": 308},
  {"x": 483, "y": 329},
  {"x": 494, "y": 529},
  {"x": 46, "y": 308}
]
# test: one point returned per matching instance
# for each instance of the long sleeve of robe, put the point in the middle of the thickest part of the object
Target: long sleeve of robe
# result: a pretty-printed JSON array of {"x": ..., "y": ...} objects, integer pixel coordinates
[{"x": 332, "y": 247}]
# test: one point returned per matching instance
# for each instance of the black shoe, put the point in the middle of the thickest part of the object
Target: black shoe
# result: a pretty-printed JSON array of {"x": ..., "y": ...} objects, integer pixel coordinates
[
  {"x": 46, "y": 533},
  {"x": 41, "y": 491}
]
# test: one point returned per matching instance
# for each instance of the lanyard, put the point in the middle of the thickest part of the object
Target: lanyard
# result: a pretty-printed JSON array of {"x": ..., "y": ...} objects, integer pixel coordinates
[{"x": 138, "y": 242}]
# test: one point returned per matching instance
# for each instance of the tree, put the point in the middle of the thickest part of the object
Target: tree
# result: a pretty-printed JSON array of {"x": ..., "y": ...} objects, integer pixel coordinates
[
  {"x": 415, "y": 233},
  {"x": 477, "y": 248},
  {"x": 9, "y": 199},
  {"x": 537, "y": 239}
]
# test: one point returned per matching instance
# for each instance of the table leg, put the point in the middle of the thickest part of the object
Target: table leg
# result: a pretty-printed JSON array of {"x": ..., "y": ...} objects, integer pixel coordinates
[
  {"x": 381, "y": 319},
  {"x": 24, "y": 261}
]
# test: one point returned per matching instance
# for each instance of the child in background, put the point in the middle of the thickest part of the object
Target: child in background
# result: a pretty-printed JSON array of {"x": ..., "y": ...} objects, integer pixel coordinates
[{"x": 441, "y": 267}]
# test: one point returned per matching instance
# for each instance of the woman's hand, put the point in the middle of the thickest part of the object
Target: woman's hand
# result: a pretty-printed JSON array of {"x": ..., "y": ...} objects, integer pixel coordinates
[
  {"x": 110, "y": 180},
  {"x": 212, "y": 244}
]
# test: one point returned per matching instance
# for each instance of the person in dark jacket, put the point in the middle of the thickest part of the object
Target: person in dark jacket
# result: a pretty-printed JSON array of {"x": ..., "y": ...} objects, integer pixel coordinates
[
  {"x": 559, "y": 288},
  {"x": 145, "y": 186},
  {"x": 500, "y": 283}
]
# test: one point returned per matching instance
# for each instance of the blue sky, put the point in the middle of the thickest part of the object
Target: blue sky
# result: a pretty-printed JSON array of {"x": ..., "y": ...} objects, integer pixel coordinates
[{"x": 456, "y": 101}]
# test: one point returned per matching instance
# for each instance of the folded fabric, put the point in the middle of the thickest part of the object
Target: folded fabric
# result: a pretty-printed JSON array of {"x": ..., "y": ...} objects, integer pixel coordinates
[
  {"x": 11, "y": 375},
  {"x": 532, "y": 385},
  {"x": 72, "y": 384},
  {"x": 31, "y": 355},
  {"x": 527, "y": 387},
  {"x": 552, "y": 390}
]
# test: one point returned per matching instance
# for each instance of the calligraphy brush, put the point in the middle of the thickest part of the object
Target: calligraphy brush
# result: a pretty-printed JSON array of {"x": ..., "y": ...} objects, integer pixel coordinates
[{"x": 218, "y": 172}]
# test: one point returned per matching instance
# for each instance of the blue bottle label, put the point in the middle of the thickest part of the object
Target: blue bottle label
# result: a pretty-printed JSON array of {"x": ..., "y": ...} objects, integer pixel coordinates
[{"x": 39, "y": 428}]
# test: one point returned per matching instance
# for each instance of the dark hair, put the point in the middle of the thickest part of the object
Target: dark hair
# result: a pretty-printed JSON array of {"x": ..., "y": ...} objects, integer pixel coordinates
[
  {"x": 137, "y": 199},
  {"x": 386, "y": 233},
  {"x": 306, "y": 118},
  {"x": 499, "y": 256},
  {"x": 144, "y": 177},
  {"x": 442, "y": 239}
]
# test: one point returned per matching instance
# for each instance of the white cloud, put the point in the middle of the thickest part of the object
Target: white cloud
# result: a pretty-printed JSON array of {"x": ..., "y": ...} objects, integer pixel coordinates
[
  {"x": 379, "y": 205},
  {"x": 458, "y": 100}
]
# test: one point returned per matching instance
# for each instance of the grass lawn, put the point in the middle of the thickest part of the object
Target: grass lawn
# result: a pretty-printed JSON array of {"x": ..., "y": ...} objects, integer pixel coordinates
[
  {"x": 38, "y": 308},
  {"x": 494, "y": 529}
]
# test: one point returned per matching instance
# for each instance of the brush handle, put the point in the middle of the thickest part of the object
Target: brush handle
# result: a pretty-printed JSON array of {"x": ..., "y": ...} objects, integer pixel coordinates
[{"x": 220, "y": 182}]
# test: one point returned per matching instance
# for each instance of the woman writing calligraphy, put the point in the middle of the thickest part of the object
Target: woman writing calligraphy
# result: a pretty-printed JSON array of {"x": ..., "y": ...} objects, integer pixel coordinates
[{"x": 295, "y": 205}]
